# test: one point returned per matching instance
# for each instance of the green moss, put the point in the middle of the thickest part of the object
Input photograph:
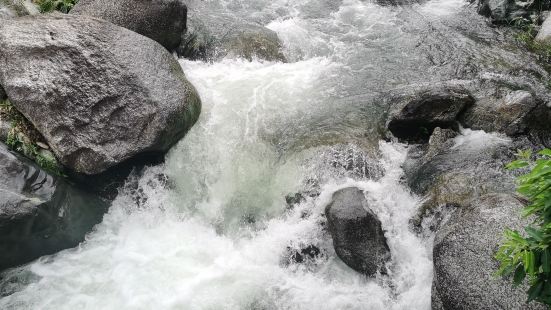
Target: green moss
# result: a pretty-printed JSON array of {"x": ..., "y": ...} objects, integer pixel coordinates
[{"x": 23, "y": 138}]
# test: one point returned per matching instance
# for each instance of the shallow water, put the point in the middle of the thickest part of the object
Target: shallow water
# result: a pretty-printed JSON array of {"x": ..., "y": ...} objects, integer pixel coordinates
[{"x": 210, "y": 228}]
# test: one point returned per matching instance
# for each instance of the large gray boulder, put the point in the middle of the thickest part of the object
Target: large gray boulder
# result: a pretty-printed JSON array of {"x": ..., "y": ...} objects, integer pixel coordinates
[
  {"x": 418, "y": 109},
  {"x": 161, "y": 20},
  {"x": 464, "y": 264},
  {"x": 40, "y": 214},
  {"x": 99, "y": 94},
  {"x": 213, "y": 34},
  {"x": 357, "y": 234}
]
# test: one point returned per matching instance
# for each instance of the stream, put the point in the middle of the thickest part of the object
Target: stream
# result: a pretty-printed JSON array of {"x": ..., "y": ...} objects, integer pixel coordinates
[{"x": 211, "y": 229}]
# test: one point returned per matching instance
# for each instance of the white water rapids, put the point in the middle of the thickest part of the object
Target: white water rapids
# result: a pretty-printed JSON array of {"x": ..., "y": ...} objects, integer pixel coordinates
[{"x": 210, "y": 229}]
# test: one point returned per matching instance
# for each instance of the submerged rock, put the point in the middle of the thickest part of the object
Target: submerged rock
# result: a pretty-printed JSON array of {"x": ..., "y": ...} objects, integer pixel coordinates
[
  {"x": 105, "y": 96},
  {"x": 464, "y": 265},
  {"x": 40, "y": 214},
  {"x": 213, "y": 34},
  {"x": 419, "y": 109},
  {"x": 161, "y": 20},
  {"x": 357, "y": 234}
]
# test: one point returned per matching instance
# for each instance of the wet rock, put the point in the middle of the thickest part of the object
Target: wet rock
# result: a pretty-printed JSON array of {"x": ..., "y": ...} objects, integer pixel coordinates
[
  {"x": 464, "y": 266},
  {"x": 161, "y": 20},
  {"x": 304, "y": 255},
  {"x": 498, "y": 10},
  {"x": 418, "y": 109},
  {"x": 511, "y": 114},
  {"x": 213, "y": 34},
  {"x": 107, "y": 95},
  {"x": 40, "y": 214},
  {"x": 357, "y": 234}
]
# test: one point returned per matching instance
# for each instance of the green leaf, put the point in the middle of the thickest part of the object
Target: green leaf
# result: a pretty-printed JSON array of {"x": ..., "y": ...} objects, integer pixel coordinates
[
  {"x": 534, "y": 233},
  {"x": 517, "y": 164},
  {"x": 545, "y": 152},
  {"x": 519, "y": 275},
  {"x": 535, "y": 290},
  {"x": 546, "y": 260}
]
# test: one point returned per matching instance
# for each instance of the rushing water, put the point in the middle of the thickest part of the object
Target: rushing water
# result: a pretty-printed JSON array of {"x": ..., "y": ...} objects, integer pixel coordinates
[{"x": 210, "y": 229}]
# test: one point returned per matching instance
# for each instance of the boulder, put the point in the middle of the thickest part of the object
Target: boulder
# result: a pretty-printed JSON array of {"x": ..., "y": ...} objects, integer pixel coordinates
[
  {"x": 544, "y": 34},
  {"x": 418, "y": 109},
  {"x": 213, "y": 34},
  {"x": 99, "y": 94},
  {"x": 464, "y": 264},
  {"x": 161, "y": 20},
  {"x": 40, "y": 214},
  {"x": 499, "y": 11},
  {"x": 357, "y": 234},
  {"x": 511, "y": 114}
]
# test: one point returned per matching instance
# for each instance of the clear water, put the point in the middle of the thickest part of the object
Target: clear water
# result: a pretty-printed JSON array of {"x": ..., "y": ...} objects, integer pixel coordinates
[{"x": 210, "y": 229}]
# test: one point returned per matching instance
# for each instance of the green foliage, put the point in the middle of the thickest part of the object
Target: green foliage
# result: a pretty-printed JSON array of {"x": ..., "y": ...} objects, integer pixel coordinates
[
  {"x": 529, "y": 257},
  {"x": 63, "y": 6},
  {"x": 527, "y": 34}
]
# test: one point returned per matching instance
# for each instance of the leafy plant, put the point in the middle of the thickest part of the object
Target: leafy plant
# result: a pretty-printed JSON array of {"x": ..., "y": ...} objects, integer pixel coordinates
[
  {"x": 63, "y": 6},
  {"x": 530, "y": 256}
]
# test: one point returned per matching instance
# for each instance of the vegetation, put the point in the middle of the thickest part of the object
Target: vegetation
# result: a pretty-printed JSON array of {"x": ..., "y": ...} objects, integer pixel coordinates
[
  {"x": 527, "y": 34},
  {"x": 24, "y": 138},
  {"x": 530, "y": 256},
  {"x": 63, "y": 6}
]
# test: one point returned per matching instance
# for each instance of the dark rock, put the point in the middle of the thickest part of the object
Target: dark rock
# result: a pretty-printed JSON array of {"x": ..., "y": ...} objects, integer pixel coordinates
[
  {"x": 105, "y": 96},
  {"x": 306, "y": 254},
  {"x": 498, "y": 10},
  {"x": 161, "y": 20},
  {"x": 418, "y": 109},
  {"x": 511, "y": 114},
  {"x": 3, "y": 95},
  {"x": 357, "y": 234},
  {"x": 213, "y": 34},
  {"x": 464, "y": 267},
  {"x": 40, "y": 214}
]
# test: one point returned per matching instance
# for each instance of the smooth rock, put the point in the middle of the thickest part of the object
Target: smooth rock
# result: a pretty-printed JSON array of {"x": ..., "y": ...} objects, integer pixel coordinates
[
  {"x": 357, "y": 234},
  {"x": 213, "y": 34},
  {"x": 511, "y": 114},
  {"x": 161, "y": 20},
  {"x": 105, "y": 96},
  {"x": 40, "y": 214},
  {"x": 544, "y": 34},
  {"x": 418, "y": 109},
  {"x": 464, "y": 264}
]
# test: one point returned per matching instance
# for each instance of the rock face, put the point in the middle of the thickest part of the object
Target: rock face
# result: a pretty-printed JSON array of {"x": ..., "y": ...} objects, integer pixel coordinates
[
  {"x": 510, "y": 114},
  {"x": 213, "y": 34},
  {"x": 39, "y": 213},
  {"x": 544, "y": 35},
  {"x": 357, "y": 234},
  {"x": 464, "y": 266},
  {"x": 105, "y": 96},
  {"x": 420, "y": 109},
  {"x": 161, "y": 20}
]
